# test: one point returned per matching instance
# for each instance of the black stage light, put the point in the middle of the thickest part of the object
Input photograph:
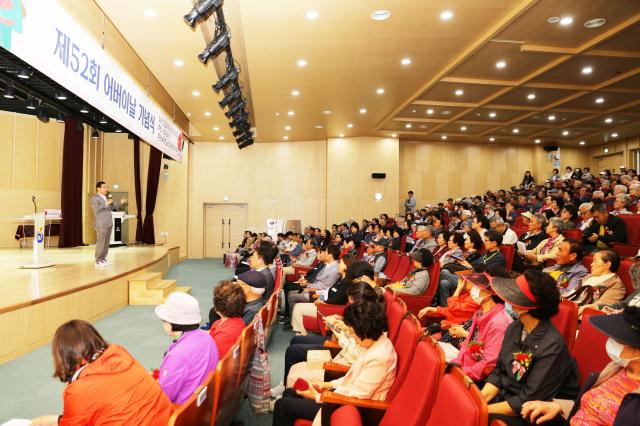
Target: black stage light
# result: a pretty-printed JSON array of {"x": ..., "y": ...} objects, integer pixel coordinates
[
  {"x": 239, "y": 119},
  {"x": 42, "y": 116},
  {"x": 244, "y": 137},
  {"x": 95, "y": 134},
  {"x": 242, "y": 129},
  {"x": 60, "y": 118},
  {"x": 200, "y": 10},
  {"x": 226, "y": 79},
  {"x": 245, "y": 144},
  {"x": 230, "y": 97},
  {"x": 103, "y": 120},
  {"x": 24, "y": 73},
  {"x": 61, "y": 96},
  {"x": 9, "y": 92},
  {"x": 31, "y": 104},
  {"x": 84, "y": 109},
  {"x": 237, "y": 107},
  {"x": 215, "y": 47}
]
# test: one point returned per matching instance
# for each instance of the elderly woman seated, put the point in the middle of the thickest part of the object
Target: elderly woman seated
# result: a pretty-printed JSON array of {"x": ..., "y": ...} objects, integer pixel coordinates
[
  {"x": 603, "y": 286},
  {"x": 548, "y": 248},
  {"x": 621, "y": 205}
]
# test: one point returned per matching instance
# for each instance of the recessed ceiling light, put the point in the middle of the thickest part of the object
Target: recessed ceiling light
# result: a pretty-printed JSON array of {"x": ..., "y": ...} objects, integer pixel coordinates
[
  {"x": 423, "y": 126},
  {"x": 379, "y": 90},
  {"x": 207, "y": 114},
  {"x": 531, "y": 96},
  {"x": 394, "y": 135},
  {"x": 188, "y": 114},
  {"x": 350, "y": 125},
  {"x": 312, "y": 14},
  {"x": 599, "y": 100},
  {"x": 492, "y": 139},
  {"x": 408, "y": 125},
  {"x": 405, "y": 61},
  {"x": 463, "y": 128},
  {"x": 178, "y": 62},
  {"x": 587, "y": 70},
  {"x": 195, "y": 93},
  {"x": 295, "y": 93},
  {"x": 446, "y": 15},
  {"x": 501, "y": 64},
  {"x": 341, "y": 135},
  {"x": 326, "y": 112},
  {"x": 287, "y": 128},
  {"x": 446, "y": 112},
  {"x": 291, "y": 113},
  {"x": 551, "y": 117},
  {"x": 566, "y": 20},
  {"x": 277, "y": 114},
  {"x": 608, "y": 120},
  {"x": 459, "y": 92},
  {"x": 414, "y": 111},
  {"x": 318, "y": 126},
  {"x": 220, "y": 138},
  {"x": 285, "y": 138},
  {"x": 216, "y": 128},
  {"x": 492, "y": 114},
  {"x": 430, "y": 111},
  {"x": 301, "y": 63},
  {"x": 537, "y": 141},
  {"x": 380, "y": 15},
  {"x": 516, "y": 130},
  {"x": 553, "y": 20},
  {"x": 595, "y": 23},
  {"x": 565, "y": 133},
  {"x": 443, "y": 137},
  {"x": 582, "y": 142},
  {"x": 363, "y": 110},
  {"x": 614, "y": 135},
  {"x": 150, "y": 13}
]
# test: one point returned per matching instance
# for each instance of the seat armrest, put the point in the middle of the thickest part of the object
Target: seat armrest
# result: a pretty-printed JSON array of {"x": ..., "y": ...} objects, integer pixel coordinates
[
  {"x": 329, "y": 397},
  {"x": 336, "y": 367},
  {"x": 330, "y": 344}
]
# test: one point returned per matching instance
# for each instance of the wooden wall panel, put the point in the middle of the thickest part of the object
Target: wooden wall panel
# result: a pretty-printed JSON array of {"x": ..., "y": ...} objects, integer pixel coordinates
[
  {"x": 6, "y": 149},
  {"x": 49, "y": 173},
  {"x": 25, "y": 149}
]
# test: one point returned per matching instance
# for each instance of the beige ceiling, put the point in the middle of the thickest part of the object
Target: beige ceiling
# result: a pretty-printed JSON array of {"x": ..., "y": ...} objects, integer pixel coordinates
[{"x": 349, "y": 56}]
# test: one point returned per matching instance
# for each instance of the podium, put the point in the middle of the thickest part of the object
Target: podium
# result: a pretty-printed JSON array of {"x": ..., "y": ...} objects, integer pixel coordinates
[
  {"x": 118, "y": 219},
  {"x": 38, "y": 243}
]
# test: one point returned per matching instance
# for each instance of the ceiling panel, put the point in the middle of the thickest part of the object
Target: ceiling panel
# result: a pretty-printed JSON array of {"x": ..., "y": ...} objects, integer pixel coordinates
[
  {"x": 486, "y": 114},
  {"x": 471, "y": 92},
  {"x": 591, "y": 102},
  {"x": 627, "y": 41},
  {"x": 604, "y": 68}
]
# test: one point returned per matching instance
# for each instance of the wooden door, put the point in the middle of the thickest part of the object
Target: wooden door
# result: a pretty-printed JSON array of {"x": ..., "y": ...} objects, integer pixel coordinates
[{"x": 224, "y": 226}]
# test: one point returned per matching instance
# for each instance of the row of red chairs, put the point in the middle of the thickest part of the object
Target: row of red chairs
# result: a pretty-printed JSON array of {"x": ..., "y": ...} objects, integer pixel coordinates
[{"x": 218, "y": 400}]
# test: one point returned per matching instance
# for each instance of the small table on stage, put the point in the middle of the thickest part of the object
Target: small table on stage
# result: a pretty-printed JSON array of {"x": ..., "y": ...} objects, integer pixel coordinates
[{"x": 118, "y": 219}]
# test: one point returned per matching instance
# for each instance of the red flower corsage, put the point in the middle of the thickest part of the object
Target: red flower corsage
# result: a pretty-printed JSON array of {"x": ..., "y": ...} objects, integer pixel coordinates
[
  {"x": 155, "y": 373},
  {"x": 521, "y": 363},
  {"x": 476, "y": 350}
]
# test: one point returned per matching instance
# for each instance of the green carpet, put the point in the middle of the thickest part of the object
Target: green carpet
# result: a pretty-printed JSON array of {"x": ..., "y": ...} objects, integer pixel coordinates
[{"x": 27, "y": 389}]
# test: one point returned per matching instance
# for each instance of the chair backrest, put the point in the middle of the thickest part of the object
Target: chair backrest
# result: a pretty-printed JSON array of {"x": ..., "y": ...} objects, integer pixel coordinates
[
  {"x": 388, "y": 301},
  {"x": 413, "y": 403},
  {"x": 265, "y": 313},
  {"x": 574, "y": 234},
  {"x": 589, "y": 347},
  {"x": 434, "y": 277},
  {"x": 405, "y": 345},
  {"x": 247, "y": 349},
  {"x": 404, "y": 265},
  {"x": 392, "y": 262},
  {"x": 624, "y": 272},
  {"x": 508, "y": 251},
  {"x": 458, "y": 402},
  {"x": 196, "y": 411},
  {"x": 394, "y": 318},
  {"x": 403, "y": 243},
  {"x": 361, "y": 248},
  {"x": 225, "y": 387},
  {"x": 633, "y": 228},
  {"x": 566, "y": 321}
]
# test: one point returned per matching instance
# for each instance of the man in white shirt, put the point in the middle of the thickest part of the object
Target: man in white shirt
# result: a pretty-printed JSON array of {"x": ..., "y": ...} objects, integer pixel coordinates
[
  {"x": 305, "y": 259},
  {"x": 509, "y": 237},
  {"x": 585, "y": 215}
]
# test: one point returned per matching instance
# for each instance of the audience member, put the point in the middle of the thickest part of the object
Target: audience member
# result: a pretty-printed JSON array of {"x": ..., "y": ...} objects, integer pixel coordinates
[
  {"x": 379, "y": 259},
  {"x": 417, "y": 281},
  {"x": 253, "y": 284},
  {"x": 306, "y": 258},
  {"x": 228, "y": 303},
  {"x": 603, "y": 286},
  {"x": 498, "y": 224},
  {"x": 604, "y": 230},
  {"x": 262, "y": 257},
  {"x": 548, "y": 248},
  {"x": 568, "y": 270},
  {"x": 621, "y": 205}
]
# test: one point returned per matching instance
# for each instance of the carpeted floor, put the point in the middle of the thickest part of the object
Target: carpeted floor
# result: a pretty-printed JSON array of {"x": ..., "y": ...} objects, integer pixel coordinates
[{"x": 27, "y": 389}]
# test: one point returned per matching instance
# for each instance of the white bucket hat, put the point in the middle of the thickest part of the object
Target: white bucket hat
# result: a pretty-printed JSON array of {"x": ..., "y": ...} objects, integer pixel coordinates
[{"x": 180, "y": 309}]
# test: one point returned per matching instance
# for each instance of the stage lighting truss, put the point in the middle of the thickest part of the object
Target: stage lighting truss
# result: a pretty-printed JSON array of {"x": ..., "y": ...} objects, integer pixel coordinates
[{"x": 228, "y": 83}]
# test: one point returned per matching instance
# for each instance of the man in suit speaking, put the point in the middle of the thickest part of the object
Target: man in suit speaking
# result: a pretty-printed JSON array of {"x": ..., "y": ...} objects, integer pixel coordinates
[{"x": 102, "y": 205}]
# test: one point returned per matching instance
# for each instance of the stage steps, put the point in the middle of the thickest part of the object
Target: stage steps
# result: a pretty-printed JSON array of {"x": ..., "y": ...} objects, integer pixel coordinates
[{"x": 149, "y": 288}]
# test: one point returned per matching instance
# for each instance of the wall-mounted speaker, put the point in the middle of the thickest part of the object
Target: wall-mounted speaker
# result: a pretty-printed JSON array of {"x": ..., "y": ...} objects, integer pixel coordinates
[
  {"x": 378, "y": 175},
  {"x": 550, "y": 148}
]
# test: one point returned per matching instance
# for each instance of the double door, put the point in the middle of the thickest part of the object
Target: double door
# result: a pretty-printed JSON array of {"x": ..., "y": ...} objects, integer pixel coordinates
[{"x": 224, "y": 226}]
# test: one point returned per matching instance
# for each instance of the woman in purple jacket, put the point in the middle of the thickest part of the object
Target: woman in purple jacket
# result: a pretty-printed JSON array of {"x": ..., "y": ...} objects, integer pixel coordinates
[
  {"x": 481, "y": 346},
  {"x": 192, "y": 355}
]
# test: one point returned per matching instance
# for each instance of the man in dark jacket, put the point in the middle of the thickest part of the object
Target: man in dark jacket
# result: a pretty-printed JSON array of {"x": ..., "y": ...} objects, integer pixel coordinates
[{"x": 604, "y": 230}]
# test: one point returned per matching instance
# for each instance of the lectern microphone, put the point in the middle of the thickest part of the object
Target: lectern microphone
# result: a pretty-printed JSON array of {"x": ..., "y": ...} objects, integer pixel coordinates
[{"x": 35, "y": 206}]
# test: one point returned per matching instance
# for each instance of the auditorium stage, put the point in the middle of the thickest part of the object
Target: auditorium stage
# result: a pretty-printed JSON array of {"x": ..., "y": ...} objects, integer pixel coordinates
[{"x": 33, "y": 303}]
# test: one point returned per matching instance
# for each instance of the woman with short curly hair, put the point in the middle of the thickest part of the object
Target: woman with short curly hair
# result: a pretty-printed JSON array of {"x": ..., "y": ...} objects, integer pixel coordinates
[{"x": 228, "y": 302}]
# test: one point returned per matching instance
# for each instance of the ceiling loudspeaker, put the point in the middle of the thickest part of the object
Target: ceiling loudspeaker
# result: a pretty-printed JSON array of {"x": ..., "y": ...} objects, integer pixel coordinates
[
  {"x": 550, "y": 148},
  {"x": 378, "y": 175}
]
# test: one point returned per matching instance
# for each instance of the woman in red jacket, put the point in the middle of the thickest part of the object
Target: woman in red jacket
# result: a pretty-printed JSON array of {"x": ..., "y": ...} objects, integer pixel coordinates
[
  {"x": 106, "y": 385},
  {"x": 228, "y": 302}
]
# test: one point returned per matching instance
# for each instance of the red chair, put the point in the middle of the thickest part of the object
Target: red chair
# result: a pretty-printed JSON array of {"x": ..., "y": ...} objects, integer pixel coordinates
[
  {"x": 396, "y": 311},
  {"x": 416, "y": 303},
  {"x": 392, "y": 263},
  {"x": 589, "y": 347},
  {"x": 566, "y": 321},
  {"x": 404, "y": 266},
  {"x": 361, "y": 248},
  {"x": 414, "y": 400},
  {"x": 403, "y": 243},
  {"x": 405, "y": 345},
  {"x": 508, "y": 252},
  {"x": 631, "y": 247},
  {"x": 224, "y": 400},
  {"x": 574, "y": 234},
  {"x": 458, "y": 402},
  {"x": 195, "y": 411},
  {"x": 315, "y": 324}
]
